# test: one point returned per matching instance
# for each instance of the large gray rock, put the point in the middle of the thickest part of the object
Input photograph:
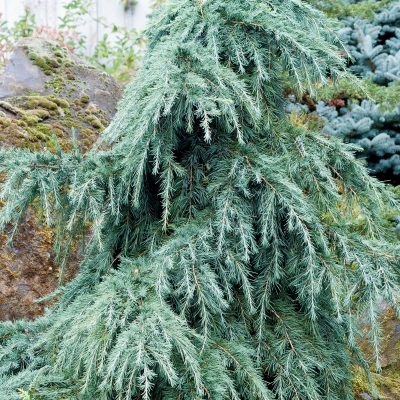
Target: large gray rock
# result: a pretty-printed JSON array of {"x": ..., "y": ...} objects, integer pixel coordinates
[
  {"x": 21, "y": 76},
  {"x": 44, "y": 67},
  {"x": 45, "y": 91}
]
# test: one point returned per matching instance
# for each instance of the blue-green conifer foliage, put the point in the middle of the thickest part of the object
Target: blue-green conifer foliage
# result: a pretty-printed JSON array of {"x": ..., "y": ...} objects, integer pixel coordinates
[{"x": 228, "y": 254}]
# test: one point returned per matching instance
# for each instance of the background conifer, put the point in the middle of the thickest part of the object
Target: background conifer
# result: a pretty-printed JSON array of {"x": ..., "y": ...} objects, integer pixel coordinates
[
  {"x": 371, "y": 35},
  {"x": 229, "y": 254}
]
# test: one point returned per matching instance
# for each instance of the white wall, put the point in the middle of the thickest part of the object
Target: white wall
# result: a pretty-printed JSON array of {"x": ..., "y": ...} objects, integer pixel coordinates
[{"x": 48, "y": 11}]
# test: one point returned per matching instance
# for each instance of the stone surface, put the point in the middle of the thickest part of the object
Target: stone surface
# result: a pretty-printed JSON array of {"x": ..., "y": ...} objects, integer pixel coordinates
[
  {"x": 21, "y": 75},
  {"x": 388, "y": 380},
  {"x": 45, "y": 91},
  {"x": 26, "y": 270},
  {"x": 43, "y": 67}
]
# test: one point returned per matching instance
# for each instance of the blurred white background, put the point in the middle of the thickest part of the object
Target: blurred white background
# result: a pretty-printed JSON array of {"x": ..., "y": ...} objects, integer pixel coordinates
[{"x": 49, "y": 12}]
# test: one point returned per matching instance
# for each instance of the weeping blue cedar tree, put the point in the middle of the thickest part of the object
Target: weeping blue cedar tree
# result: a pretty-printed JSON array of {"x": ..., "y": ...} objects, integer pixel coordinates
[{"x": 224, "y": 259}]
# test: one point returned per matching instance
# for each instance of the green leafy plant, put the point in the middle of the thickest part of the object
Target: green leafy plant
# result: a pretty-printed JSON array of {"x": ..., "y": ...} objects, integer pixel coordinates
[
  {"x": 77, "y": 13},
  {"x": 108, "y": 51},
  {"x": 9, "y": 35}
]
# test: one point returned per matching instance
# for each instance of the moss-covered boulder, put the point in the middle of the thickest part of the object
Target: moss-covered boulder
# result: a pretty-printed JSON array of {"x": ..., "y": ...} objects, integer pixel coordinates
[
  {"x": 387, "y": 382},
  {"x": 45, "y": 93},
  {"x": 27, "y": 270}
]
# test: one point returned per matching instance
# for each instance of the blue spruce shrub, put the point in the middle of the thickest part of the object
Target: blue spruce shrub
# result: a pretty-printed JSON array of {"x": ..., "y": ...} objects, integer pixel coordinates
[{"x": 374, "y": 47}]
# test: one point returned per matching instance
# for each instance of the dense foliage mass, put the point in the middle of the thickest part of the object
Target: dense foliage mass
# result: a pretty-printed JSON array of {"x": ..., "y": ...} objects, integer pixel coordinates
[{"x": 229, "y": 253}]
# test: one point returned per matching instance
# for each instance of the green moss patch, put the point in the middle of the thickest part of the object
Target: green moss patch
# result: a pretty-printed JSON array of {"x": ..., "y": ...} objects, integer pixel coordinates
[
  {"x": 31, "y": 121},
  {"x": 49, "y": 59}
]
